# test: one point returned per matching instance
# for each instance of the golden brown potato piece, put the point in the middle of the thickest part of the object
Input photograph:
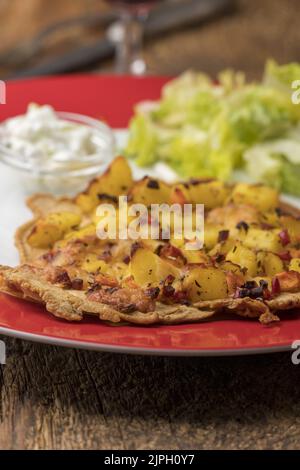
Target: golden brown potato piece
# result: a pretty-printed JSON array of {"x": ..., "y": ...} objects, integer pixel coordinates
[
  {"x": 266, "y": 240},
  {"x": 292, "y": 224},
  {"x": 150, "y": 191},
  {"x": 115, "y": 181},
  {"x": 51, "y": 228},
  {"x": 149, "y": 269},
  {"x": 205, "y": 283},
  {"x": 244, "y": 257},
  {"x": 269, "y": 263},
  {"x": 257, "y": 195},
  {"x": 295, "y": 265},
  {"x": 210, "y": 193}
]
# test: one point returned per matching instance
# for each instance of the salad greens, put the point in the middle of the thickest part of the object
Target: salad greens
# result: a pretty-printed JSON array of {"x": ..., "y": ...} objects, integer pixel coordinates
[{"x": 201, "y": 128}]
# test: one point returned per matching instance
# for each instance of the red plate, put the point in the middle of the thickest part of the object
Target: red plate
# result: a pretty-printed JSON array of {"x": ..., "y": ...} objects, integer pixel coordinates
[{"x": 112, "y": 99}]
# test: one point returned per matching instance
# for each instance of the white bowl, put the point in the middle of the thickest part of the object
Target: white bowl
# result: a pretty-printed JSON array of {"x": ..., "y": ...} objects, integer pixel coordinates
[{"x": 62, "y": 179}]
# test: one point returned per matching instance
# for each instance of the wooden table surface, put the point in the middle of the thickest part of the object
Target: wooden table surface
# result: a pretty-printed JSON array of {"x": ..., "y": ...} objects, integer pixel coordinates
[{"x": 56, "y": 398}]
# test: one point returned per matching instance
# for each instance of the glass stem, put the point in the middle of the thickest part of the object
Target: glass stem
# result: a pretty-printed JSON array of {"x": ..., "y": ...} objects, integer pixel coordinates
[{"x": 129, "y": 59}]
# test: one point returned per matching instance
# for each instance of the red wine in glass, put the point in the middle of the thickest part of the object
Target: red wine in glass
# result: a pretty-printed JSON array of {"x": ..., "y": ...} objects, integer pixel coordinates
[
  {"x": 144, "y": 5},
  {"x": 127, "y": 35},
  {"x": 132, "y": 2}
]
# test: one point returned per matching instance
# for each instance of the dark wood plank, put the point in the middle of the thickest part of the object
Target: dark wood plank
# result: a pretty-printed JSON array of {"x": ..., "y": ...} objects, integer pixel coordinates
[{"x": 56, "y": 398}]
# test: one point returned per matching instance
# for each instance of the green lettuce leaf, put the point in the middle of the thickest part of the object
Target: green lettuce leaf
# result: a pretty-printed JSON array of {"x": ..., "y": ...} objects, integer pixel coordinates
[
  {"x": 143, "y": 140},
  {"x": 281, "y": 76},
  {"x": 203, "y": 129},
  {"x": 277, "y": 162},
  {"x": 290, "y": 178},
  {"x": 189, "y": 99}
]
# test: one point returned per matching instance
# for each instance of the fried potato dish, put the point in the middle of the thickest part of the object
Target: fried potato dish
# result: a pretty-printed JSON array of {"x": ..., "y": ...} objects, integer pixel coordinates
[{"x": 249, "y": 264}]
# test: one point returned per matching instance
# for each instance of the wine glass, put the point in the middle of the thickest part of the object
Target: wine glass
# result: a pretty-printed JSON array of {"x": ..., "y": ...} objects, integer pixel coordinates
[{"x": 127, "y": 35}]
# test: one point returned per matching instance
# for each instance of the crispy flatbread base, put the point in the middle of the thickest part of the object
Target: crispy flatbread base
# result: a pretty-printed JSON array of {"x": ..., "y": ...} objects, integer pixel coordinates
[{"x": 25, "y": 282}]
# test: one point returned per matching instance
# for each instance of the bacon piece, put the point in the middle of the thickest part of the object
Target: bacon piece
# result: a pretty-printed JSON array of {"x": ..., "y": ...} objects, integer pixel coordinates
[
  {"x": 152, "y": 292},
  {"x": 168, "y": 291},
  {"x": 275, "y": 286},
  {"x": 223, "y": 236},
  {"x": 58, "y": 275},
  {"x": 233, "y": 281},
  {"x": 172, "y": 253},
  {"x": 77, "y": 283},
  {"x": 106, "y": 280},
  {"x": 130, "y": 282},
  {"x": 284, "y": 237},
  {"x": 285, "y": 256},
  {"x": 289, "y": 281},
  {"x": 294, "y": 252},
  {"x": 124, "y": 299}
]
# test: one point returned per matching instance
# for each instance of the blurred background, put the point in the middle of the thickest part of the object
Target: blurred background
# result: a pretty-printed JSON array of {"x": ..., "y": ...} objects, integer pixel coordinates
[{"x": 60, "y": 36}]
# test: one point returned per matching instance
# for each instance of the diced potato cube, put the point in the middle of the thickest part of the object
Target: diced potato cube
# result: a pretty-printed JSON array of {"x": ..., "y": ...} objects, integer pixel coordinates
[
  {"x": 259, "y": 196},
  {"x": 232, "y": 267},
  {"x": 85, "y": 202},
  {"x": 266, "y": 240},
  {"x": 51, "y": 228},
  {"x": 120, "y": 270},
  {"x": 269, "y": 263},
  {"x": 270, "y": 218},
  {"x": 194, "y": 256},
  {"x": 149, "y": 269},
  {"x": 210, "y": 193},
  {"x": 115, "y": 181},
  {"x": 92, "y": 264},
  {"x": 211, "y": 234},
  {"x": 84, "y": 232},
  {"x": 205, "y": 283},
  {"x": 44, "y": 236},
  {"x": 295, "y": 265},
  {"x": 223, "y": 247},
  {"x": 65, "y": 220},
  {"x": 292, "y": 225},
  {"x": 150, "y": 191},
  {"x": 244, "y": 257}
]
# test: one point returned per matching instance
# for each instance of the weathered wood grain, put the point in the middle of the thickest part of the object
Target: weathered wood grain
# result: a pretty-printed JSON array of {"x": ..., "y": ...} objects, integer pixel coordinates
[{"x": 56, "y": 398}]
